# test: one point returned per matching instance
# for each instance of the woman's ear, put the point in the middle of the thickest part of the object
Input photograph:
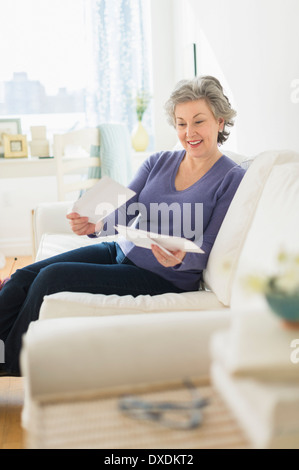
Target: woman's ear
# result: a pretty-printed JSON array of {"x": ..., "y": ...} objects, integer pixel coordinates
[{"x": 221, "y": 124}]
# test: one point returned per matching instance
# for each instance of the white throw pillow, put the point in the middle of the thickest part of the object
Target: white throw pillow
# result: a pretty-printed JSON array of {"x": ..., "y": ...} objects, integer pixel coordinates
[
  {"x": 224, "y": 257},
  {"x": 275, "y": 228}
]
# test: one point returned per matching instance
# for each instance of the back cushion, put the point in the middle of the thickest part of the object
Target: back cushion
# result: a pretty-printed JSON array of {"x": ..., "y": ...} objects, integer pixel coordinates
[
  {"x": 275, "y": 227},
  {"x": 224, "y": 257}
]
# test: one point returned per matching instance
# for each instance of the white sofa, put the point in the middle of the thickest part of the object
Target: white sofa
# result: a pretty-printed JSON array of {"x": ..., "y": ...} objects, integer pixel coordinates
[{"x": 87, "y": 344}]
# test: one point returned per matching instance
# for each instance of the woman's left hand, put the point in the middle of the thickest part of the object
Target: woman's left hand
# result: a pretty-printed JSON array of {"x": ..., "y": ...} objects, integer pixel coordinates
[{"x": 168, "y": 261}]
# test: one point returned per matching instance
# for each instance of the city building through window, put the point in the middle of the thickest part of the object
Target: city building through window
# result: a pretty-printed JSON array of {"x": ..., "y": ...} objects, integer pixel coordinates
[{"x": 68, "y": 64}]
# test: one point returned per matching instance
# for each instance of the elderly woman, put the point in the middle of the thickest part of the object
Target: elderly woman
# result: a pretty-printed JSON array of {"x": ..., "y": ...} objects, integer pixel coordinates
[{"x": 196, "y": 185}]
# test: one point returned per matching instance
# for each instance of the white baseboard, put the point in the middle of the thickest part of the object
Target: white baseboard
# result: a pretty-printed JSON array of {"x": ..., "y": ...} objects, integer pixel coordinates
[{"x": 16, "y": 246}]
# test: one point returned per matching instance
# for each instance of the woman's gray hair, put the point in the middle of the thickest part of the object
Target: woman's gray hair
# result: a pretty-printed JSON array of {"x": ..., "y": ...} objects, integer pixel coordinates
[{"x": 209, "y": 89}]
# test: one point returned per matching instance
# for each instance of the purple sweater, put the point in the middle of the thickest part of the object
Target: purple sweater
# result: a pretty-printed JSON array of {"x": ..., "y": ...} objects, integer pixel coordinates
[{"x": 195, "y": 213}]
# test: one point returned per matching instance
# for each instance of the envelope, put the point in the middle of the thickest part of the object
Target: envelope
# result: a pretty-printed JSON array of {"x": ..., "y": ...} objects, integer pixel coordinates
[
  {"x": 167, "y": 243},
  {"x": 102, "y": 199}
]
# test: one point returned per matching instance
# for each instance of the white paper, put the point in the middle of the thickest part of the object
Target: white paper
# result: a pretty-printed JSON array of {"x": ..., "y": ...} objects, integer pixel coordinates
[
  {"x": 102, "y": 199},
  {"x": 168, "y": 243}
]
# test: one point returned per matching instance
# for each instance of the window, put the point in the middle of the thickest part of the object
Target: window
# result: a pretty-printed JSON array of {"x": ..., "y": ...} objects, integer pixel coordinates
[{"x": 72, "y": 63}]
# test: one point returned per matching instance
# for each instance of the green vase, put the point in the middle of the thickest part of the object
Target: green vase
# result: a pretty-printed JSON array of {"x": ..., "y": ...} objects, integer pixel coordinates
[{"x": 140, "y": 138}]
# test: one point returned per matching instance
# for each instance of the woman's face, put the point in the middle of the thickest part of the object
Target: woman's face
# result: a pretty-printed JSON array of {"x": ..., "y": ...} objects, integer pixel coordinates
[{"x": 197, "y": 128}]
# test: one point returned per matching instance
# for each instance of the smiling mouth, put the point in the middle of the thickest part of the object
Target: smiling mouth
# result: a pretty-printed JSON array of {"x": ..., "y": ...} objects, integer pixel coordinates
[{"x": 195, "y": 143}]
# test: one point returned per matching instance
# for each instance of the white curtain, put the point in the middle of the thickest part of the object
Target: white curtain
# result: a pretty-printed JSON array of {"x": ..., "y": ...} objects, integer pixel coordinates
[{"x": 119, "y": 34}]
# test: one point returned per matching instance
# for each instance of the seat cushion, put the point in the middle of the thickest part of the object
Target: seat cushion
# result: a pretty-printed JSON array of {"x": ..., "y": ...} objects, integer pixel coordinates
[{"x": 76, "y": 304}]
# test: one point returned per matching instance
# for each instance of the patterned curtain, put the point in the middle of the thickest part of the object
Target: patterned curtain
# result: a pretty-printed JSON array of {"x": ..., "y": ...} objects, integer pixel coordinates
[{"x": 121, "y": 42}]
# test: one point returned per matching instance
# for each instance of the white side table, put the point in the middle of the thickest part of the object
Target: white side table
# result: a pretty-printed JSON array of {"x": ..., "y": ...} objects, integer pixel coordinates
[
  {"x": 27, "y": 167},
  {"x": 253, "y": 373}
]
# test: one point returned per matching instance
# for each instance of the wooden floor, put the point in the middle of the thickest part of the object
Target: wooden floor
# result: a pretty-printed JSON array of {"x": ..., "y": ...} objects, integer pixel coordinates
[{"x": 11, "y": 388}]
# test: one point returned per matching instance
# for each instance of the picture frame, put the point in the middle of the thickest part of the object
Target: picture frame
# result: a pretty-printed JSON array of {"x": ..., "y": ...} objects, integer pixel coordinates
[
  {"x": 11, "y": 127},
  {"x": 15, "y": 146}
]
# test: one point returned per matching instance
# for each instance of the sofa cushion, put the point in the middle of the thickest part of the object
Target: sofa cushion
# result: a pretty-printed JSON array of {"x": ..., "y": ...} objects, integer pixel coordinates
[
  {"x": 49, "y": 218},
  {"x": 53, "y": 244},
  {"x": 275, "y": 227},
  {"x": 76, "y": 304},
  {"x": 224, "y": 257}
]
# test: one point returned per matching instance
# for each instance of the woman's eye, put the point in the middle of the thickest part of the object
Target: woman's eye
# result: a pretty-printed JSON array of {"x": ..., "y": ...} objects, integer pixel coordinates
[{"x": 198, "y": 122}]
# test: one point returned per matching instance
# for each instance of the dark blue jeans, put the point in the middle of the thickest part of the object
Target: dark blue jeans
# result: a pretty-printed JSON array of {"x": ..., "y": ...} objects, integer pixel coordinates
[{"x": 97, "y": 269}]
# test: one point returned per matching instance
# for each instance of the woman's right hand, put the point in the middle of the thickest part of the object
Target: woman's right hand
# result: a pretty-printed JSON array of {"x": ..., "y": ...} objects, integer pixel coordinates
[{"x": 80, "y": 225}]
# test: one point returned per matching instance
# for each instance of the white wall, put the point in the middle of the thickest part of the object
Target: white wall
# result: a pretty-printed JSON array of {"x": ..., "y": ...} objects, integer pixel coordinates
[
  {"x": 18, "y": 196},
  {"x": 163, "y": 63},
  {"x": 252, "y": 47}
]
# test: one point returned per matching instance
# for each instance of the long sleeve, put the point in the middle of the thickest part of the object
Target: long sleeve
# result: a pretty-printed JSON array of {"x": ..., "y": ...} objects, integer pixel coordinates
[{"x": 128, "y": 212}]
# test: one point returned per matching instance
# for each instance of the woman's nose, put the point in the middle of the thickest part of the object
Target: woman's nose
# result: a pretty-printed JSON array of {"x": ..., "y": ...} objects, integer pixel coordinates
[{"x": 189, "y": 130}]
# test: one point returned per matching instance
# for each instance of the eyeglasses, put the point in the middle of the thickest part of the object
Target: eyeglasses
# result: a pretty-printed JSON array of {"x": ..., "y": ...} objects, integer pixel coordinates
[{"x": 180, "y": 415}]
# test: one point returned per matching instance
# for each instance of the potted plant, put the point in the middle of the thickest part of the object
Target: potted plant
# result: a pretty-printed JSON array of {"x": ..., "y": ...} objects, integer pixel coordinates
[{"x": 281, "y": 289}]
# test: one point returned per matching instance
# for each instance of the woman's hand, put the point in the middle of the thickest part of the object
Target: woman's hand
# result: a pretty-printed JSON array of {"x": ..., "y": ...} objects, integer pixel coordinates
[
  {"x": 80, "y": 225},
  {"x": 168, "y": 261}
]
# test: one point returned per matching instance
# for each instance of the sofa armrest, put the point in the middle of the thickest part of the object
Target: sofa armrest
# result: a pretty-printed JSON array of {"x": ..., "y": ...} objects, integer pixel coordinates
[
  {"x": 50, "y": 218},
  {"x": 77, "y": 357}
]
